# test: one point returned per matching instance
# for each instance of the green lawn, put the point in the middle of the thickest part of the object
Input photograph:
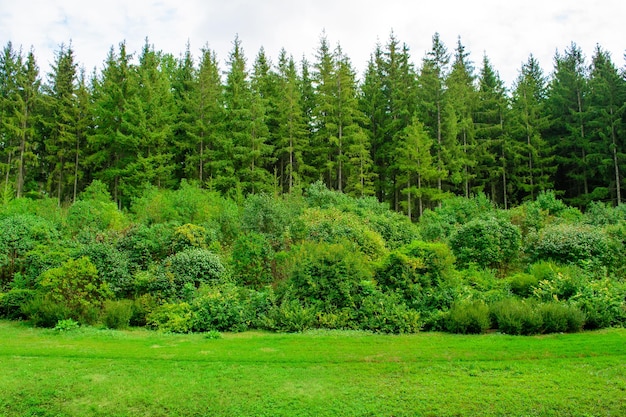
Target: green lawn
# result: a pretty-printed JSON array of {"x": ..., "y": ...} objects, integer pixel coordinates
[{"x": 90, "y": 372}]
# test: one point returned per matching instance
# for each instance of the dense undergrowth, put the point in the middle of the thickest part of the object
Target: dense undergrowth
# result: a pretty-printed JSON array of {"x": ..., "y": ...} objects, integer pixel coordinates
[{"x": 191, "y": 261}]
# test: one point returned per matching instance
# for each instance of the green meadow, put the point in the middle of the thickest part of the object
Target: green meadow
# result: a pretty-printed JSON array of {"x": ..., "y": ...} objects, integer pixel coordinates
[{"x": 94, "y": 372}]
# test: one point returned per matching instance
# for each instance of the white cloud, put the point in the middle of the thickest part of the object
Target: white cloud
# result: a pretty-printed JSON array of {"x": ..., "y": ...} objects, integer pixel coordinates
[{"x": 507, "y": 31}]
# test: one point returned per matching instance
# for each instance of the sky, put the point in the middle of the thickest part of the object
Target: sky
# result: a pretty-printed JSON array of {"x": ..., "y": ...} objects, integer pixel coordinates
[{"x": 507, "y": 31}]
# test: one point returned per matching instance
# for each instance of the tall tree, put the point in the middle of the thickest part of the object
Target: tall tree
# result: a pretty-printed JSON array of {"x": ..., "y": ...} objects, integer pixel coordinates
[
  {"x": 435, "y": 110},
  {"x": 607, "y": 107},
  {"x": 414, "y": 163},
  {"x": 491, "y": 141},
  {"x": 62, "y": 116},
  {"x": 113, "y": 144},
  {"x": 291, "y": 141},
  {"x": 569, "y": 110},
  {"x": 532, "y": 154},
  {"x": 462, "y": 96},
  {"x": 248, "y": 149}
]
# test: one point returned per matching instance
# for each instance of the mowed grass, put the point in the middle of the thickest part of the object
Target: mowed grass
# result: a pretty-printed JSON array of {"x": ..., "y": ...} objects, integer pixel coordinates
[{"x": 92, "y": 372}]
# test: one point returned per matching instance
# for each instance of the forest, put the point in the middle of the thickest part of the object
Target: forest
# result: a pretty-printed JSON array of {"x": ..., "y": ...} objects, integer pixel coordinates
[{"x": 167, "y": 193}]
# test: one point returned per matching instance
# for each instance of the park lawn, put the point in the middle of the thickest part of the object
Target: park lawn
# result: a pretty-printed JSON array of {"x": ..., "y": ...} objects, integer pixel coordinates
[{"x": 92, "y": 372}]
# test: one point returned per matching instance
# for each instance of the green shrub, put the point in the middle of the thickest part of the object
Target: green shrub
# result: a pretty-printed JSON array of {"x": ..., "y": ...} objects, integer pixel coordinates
[
  {"x": 171, "y": 318},
  {"x": 328, "y": 275},
  {"x": 516, "y": 317},
  {"x": 417, "y": 266},
  {"x": 185, "y": 271},
  {"x": 334, "y": 226},
  {"x": 77, "y": 285},
  {"x": 141, "y": 308},
  {"x": 523, "y": 284},
  {"x": 145, "y": 245},
  {"x": 603, "y": 302},
  {"x": 44, "y": 312},
  {"x": 191, "y": 236},
  {"x": 112, "y": 265},
  {"x": 557, "y": 282},
  {"x": 252, "y": 259},
  {"x": 490, "y": 242},
  {"x": 438, "y": 224},
  {"x": 12, "y": 302},
  {"x": 223, "y": 307},
  {"x": 468, "y": 318},
  {"x": 560, "y": 318},
  {"x": 290, "y": 315},
  {"x": 66, "y": 325},
  {"x": 569, "y": 244},
  {"x": 94, "y": 211},
  {"x": 387, "y": 313},
  {"x": 276, "y": 218},
  {"x": 117, "y": 314},
  {"x": 20, "y": 235}
]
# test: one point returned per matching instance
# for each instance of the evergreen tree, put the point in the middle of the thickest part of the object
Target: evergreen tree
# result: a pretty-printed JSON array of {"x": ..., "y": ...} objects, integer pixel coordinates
[
  {"x": 373, "y": 105},
  {"x": 491, "y": 141},
  {"x": 532, "y": 154},
  {"x": 114, "y": 144},
  {"x": 607, "y": 97},
  {"x": 568, "y": 108},
  {"x": 436, "y": 112},
  {"x": 414, "y": 163},
  {"x": 247, "y": 146},
  {"x": 462, "y": 99},
  {"x": 61, "y": 118},
  {"x": 207, "y": 155},
  {"x": 292, "y": 138}
]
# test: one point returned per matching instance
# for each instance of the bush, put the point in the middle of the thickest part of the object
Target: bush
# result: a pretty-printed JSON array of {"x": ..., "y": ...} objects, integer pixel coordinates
[
  {"x": 112, "y": 265},
  {"x": 224, "y": 307},
  {"x": 276, "y": 218},
  {"x": 468, "y": 318},
  {"x": 438, "y": 224},
  {"x": 523, "y": 284},
  {"x": 77, "y": 285},
  {"x": 12, "y": 302},
  {"x": 145, "y": 245},
  {"x": 94, "y": 211},
  {"x": 290, "y": 316},
  {"x": 66, "y": 325},
  {"x": 190, "y": 236},
  {"x": 20, "y": 235},
  {"x": 560, "y": 318},
  {"x": 171, "y": 318},
  {"x": 387, "y": 313},
  {"x": 252, "y": 260},
  {"x": 185, "y": 271},
  {"x": 328, "y": 275},
  {"x": 117, "y": 314},
  {"x": 489, "y": 242},
  {"x": 603, "y": 302},
  {"x": 569, "y": 244},
  {"x": 416, "y": 266},
  {"x": 516, "y": 317},
  {"x": 44, "y": 312},
  {"x": 557, "y": 282}
]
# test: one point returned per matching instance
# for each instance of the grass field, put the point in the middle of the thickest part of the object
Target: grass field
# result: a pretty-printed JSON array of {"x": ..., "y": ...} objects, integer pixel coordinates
[{"x": 90, "y": 372}]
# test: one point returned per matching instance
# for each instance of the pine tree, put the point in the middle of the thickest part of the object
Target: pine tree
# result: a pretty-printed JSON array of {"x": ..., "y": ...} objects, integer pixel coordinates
[
  {"x": 61, "y": 118},
  {"x": 491, "y": 141},
  {"x": 114, "y": 143},
  {"x": 414, "y": 163},
  {"x": 208, "y": 131},
  {"x": 155, "y": 162},
  {"x": 607, "y": 108},
  {"x": 532, "y": 153},
  {"x": 373, "y": 105},
  {"x": 247, "y": 146},
  {"x": 435, "y": 111},
  {"x": 569, "y": 109},
  {"x": 292, "y": 138},
  {"x": 462, "y": 99}
]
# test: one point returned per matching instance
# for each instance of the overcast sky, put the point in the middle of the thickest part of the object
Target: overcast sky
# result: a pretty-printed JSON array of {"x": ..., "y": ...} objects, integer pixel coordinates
[{"x": 506, "y": 30}]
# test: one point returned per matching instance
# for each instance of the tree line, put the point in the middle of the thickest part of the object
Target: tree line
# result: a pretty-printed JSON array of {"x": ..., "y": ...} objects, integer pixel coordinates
[{"x": 408, "y": 134}]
